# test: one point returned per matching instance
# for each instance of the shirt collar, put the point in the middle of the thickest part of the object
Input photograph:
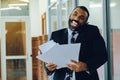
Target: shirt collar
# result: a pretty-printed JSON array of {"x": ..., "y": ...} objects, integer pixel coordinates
[{"x": 69, "y": 31}]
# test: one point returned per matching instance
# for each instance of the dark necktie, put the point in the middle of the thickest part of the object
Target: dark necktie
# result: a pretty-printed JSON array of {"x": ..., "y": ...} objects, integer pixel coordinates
[
  {"x": 68, "y": 74},
  {"x": 68, "y": 71},
  {"x": 73, "y": 37}
]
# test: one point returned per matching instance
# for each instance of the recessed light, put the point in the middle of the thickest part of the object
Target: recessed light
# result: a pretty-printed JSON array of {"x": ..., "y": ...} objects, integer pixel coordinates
[
  {"x": 20, "y": 4},
  {"x": 25, "y": 0}
]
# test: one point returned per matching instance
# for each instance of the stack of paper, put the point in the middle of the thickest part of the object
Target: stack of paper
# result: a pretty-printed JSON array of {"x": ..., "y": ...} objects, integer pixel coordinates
[{"x": 59, "y": 54}]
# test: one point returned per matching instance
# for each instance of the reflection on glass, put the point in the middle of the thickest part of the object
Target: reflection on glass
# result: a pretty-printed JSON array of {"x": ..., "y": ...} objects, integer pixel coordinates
[
  {"x": 0, "y": 55},
  {"x": 16, "y": 69},
  {"x": 70, "y": 6},
  {"x": 14, "y": 8},
  {"x": 15, "y": 38},
  {"x": 64, "y": 16},
  {"x": 52, "y": 1},
  {"x": 116, "y": 53},
  {"x": 53, "y": 17},
  {"x": 115, "y": 30}
]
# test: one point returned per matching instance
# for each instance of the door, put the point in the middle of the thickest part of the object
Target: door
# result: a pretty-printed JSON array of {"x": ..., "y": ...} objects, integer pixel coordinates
[
  {"x": 16, "y": 63},
  {"x": 115, "y": 38}
]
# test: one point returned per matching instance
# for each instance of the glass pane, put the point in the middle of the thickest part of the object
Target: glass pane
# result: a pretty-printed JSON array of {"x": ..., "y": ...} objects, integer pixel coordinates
[
  {"x": 14, "y": 8},
  {"x": 0, "y": 53},
  {"x": 16, "y": 69},
  {"x": 95, "y": 18},
  {"x": 64, "y": 15},
  {"x": 52, "y": 1},
  {"x": 53, "y": 17},
  {"x": 115, "y": 30},
  {"x": 15, "y": 38},
  {"x": 70, "y": 6},
  {"x": 67, "y": 8}
]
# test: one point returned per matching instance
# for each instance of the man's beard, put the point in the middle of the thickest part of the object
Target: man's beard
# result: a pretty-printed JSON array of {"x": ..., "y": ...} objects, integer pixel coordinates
[{"x": 78, "y": 25}]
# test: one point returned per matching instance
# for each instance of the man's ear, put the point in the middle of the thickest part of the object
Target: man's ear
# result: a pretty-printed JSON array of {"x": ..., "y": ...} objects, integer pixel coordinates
[{"x": 86, "y": 21}]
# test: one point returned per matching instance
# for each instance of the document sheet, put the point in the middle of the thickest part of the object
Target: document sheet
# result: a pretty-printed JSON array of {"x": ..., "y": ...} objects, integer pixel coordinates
[{"x": 59, "y": 54}]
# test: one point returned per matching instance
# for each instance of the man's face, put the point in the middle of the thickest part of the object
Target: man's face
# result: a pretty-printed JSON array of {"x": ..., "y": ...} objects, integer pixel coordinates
[{"x": 77, "y": 18}]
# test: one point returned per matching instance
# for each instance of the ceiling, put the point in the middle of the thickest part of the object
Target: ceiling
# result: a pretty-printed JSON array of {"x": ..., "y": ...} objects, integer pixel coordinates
[
  {"x": 4, "y": 3},
  {"x": 14, "y": 8}
]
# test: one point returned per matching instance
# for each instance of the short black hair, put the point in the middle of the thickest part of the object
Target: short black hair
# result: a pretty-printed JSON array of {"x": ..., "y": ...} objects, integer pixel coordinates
[{"x": 85, "y": 9}]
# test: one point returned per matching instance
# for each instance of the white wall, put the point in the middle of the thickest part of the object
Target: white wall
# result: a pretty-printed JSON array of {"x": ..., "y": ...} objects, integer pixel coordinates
[{"x": 37, "y": 8}]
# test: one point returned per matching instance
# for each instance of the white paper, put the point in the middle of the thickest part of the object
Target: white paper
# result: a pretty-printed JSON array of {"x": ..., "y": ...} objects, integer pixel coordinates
[
  {"x": 60, "y": 54},
  {"x": 46, "y": 46}
]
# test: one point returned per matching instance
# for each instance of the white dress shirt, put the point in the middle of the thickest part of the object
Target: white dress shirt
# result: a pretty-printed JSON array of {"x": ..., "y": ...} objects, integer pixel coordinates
[
  {"x": 69, "y": 42},
  {"x": 70, "y": 36}
]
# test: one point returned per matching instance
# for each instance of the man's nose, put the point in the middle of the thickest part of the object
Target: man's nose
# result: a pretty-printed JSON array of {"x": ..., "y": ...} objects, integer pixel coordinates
[{"x": 76, "y": 18}]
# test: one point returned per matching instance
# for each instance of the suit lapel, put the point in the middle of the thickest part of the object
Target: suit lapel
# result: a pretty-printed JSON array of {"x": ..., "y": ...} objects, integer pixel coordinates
[
  {"x": 78, "y": 39},
  {"x": 65, "y": 37},
  {"x": 81, "y": 34}
]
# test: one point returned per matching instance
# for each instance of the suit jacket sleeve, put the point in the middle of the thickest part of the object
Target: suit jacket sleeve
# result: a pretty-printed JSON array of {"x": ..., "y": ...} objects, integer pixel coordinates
[{"x": 99, "y": 55}]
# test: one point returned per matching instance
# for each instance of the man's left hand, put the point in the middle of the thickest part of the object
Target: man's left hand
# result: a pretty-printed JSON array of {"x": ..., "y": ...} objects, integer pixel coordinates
[{"x": 77, "y": 66}]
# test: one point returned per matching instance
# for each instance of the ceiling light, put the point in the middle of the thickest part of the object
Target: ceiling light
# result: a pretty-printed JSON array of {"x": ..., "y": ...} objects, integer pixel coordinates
[
  {"x": 92, "y": 5},
  {"x": 53, "y": 1},
  {"x": 113, "y": 4},
  {"x": 25, "y": 0},
  {"x": 21, "y": 4},
  {"x": 10, "y": 8}
]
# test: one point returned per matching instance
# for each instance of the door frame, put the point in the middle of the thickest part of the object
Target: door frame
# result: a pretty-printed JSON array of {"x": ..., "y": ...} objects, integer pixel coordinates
[{"x": 27, "y": 57}]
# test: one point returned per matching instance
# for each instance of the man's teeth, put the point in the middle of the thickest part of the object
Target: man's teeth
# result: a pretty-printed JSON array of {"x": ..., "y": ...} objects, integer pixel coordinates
[{"x": 74, "y": 23}]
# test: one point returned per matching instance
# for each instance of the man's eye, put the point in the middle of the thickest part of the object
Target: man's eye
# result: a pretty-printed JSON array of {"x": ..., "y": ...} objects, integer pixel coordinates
[{"x": 82, "y": 17}]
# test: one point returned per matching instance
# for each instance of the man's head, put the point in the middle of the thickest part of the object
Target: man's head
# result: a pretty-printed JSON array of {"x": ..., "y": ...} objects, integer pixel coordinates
[{"x": 78, "y": 17}]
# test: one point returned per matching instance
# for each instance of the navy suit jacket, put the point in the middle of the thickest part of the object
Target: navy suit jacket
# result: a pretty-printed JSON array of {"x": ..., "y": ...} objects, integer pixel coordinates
[{"x": 93, "y": 51}]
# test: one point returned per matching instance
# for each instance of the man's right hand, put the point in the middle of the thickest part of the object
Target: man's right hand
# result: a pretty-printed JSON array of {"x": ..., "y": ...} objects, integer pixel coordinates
[{"x": 51, "y": 66}]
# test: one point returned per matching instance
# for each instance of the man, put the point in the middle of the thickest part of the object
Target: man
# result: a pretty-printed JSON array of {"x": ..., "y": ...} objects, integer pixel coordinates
[{"x": 92, "y": 54}]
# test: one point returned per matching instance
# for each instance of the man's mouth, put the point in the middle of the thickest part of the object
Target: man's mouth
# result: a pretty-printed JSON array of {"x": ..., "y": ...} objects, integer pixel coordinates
[{"x": 74, "y": 23}]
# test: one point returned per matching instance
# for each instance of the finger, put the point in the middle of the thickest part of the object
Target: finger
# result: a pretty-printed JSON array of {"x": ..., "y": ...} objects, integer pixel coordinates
[
  {"x": 74, "y": 61},
  {"x": 51, "y": 65},
  {"x": 51, "y": 69},
  {"x": 71, "y": 66}
]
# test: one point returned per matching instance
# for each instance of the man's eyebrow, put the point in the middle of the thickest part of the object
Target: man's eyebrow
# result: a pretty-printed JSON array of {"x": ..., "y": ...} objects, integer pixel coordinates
[{"x": 75, "y": 12}]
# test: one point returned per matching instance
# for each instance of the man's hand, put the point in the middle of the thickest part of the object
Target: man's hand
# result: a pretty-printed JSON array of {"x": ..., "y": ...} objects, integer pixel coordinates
[
  {"x": 77, "y": 66},
  {"x": 51, "y": 66}
]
